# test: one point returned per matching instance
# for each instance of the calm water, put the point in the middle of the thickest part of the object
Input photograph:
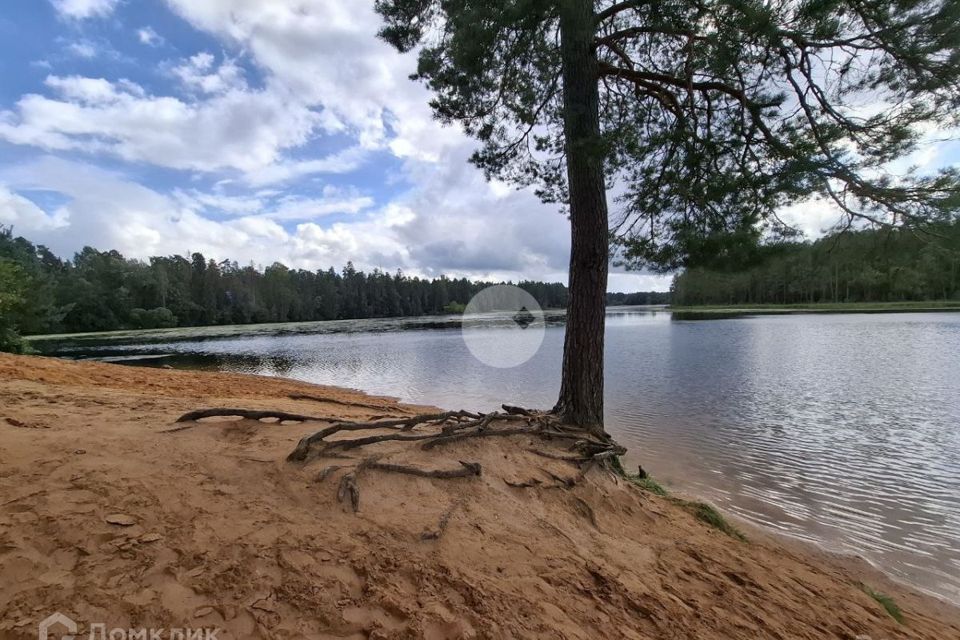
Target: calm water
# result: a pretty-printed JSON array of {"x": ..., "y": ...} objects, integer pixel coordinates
[{"x": 842, "y": 429}]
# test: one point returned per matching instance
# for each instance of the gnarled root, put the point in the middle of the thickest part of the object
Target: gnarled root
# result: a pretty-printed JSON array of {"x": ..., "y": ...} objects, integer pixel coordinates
[
  {"x": 586, "y": 449},
  {"x": 345, "y": 403},
  {"x": 442, "y": 525},
  {"x": 348, "y": 491},
  {"x": 466, "y": 470},
  {"x": 438, "y": 429}
]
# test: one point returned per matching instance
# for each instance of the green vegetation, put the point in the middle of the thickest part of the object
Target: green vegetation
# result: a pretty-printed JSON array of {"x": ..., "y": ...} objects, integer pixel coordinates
[
  {"x": 13, "y": 286},
  {"x": 648, "y": 484},
  {"x": 700, "y": 510},
  {"x": 454, "y": 307},
  {"x": 639, "y": 298},
  {"x": 716, "y": 312},
  {"x": 884, "y": 269},
  {"x": 705, "y": 119},
  {"x": 709, "y": 515},
  {"x": 886, "y": 602},
  {"x": 104, "y": 291}
]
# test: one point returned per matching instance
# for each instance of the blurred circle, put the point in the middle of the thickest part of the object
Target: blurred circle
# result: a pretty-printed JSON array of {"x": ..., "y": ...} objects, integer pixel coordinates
[{"x": 503, "y": 326}]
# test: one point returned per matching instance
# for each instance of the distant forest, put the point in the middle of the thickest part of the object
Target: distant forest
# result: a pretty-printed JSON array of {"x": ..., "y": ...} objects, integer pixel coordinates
[
  {"x": 103, "y": 290},
  {"x": 863, "y": 266}
]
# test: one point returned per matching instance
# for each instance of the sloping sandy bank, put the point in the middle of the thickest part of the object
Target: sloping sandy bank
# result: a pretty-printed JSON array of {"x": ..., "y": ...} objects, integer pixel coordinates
[{"x": 214, "y": 529}]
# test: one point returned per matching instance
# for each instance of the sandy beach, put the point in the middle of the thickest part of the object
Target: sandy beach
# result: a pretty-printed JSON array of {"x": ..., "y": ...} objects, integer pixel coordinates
[{"x": 114, "y": 514}]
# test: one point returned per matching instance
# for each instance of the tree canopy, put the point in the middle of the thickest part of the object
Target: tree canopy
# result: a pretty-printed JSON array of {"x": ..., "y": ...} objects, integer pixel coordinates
[
  {"x": 703, "y": 117},
  {"x": 713, "y": 113},
  {"x": 871, "y": 265},
  {"x": 13, "y": 287},
  {"x": 103, "y": 291}
]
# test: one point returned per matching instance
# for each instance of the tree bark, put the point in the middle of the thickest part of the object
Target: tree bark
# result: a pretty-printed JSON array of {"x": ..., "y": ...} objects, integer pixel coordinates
[{"x": 581, "y": 388}]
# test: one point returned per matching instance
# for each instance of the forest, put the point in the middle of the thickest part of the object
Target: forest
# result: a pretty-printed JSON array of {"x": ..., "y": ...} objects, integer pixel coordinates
[
  {"x": 104, "y": 291},
  {"x": 871, "y": 265}
]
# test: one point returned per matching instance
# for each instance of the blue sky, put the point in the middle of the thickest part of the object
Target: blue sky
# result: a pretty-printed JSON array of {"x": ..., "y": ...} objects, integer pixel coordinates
[
  {"x": 258, "y": 131},
  {"x": 248, "y": 130}
]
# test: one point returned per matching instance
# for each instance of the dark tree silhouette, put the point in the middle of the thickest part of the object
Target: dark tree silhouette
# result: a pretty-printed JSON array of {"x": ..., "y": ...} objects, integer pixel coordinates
[{"x": 707, "y": 115}]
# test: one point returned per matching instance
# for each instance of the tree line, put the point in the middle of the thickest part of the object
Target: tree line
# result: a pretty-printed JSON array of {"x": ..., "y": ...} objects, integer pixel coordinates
[
  {"x": 104, "y": 291},
  {"x": 873, "y": 265}
]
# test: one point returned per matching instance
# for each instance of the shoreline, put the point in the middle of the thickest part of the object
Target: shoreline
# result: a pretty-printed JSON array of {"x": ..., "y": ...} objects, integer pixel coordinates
[
  {"x": 668, "y": 476},
  {"x": 680, "y": 312},
  {"x": 123, "y": 411},
  {"x": 722, "y": 312}
]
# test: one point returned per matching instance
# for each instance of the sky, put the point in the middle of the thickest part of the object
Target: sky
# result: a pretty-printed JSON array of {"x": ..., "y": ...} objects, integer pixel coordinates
[{"x": 255, "y": 131}]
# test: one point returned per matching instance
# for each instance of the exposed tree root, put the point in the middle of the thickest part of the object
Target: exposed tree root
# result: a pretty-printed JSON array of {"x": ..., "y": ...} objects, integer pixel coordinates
[
  {"x": 453, "y": 426},
  {"x": 468, "y": 469},
  {"x": 558, "y": 456},
  {"x": 447, "y": 421},
  {"x": 442, "y": 525},
  {"x": 431, "y": 430},
  {"x": 348, "y": 490},
  {"x": 526, "y": 484},
  {"x": 561, "y": 481},
  {"x": 326, "y": 471},
  {"x": 345, "y": 403}
]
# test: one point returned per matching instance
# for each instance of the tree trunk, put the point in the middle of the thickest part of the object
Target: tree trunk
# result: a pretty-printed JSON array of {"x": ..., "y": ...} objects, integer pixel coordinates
[{"x": 581, "y": 388}]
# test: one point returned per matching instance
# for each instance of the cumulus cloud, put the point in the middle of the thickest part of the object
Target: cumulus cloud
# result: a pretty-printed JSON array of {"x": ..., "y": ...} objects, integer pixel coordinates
[
  {"x": 141, "y": 222},
  {"x": 26, "y": 217},
  {"x": 201, "y": 73},
  {"x": 82, "y": 9},
  {"x": 323, "y": 76},
  {"x": 327, "y": 53},
  {"x": 236, "y": 129}
]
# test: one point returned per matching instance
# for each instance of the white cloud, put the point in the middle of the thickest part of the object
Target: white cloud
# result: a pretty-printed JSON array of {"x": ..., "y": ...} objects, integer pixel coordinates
[
  {"x": 343, "y": 161},
  {"x": 200, "y": 73},
  {"x": 26, "y": 217},
  {"x": 85, "y": 90},
  {"x": 323, "y": 72},
  {"x": 510, "y": 242},
  {"x": 272, "y": 205},
  {"x": 296, "y": 208},
  {"x": 82, "y": 49},
  {"x": 140, "y": 222},
  {"x": 237, "y": 129},
  {"x": 813, "y": 217},
  {"x": 231, "y": 205},
  {"x": 149, "y": 37},
  {"x": 81, "y": 9},
  {"x": 326, "y": 52}
]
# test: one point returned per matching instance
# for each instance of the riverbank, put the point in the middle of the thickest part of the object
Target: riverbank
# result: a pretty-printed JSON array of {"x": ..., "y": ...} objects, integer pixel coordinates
[
  {"x": 715, "y": 312},
  {"x": 111, "y": 516}
]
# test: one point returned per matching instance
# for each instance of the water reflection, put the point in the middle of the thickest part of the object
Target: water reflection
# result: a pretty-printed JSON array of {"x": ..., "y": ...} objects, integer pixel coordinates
[{"x": 838, "y": 428}]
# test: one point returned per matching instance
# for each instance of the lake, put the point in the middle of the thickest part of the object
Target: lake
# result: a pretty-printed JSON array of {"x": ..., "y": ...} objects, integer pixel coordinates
[{"x": 840, "y": 429}]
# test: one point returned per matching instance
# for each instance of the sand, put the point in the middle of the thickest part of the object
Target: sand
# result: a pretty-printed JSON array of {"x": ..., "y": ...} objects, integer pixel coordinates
[{"x": 110, "y": 518}]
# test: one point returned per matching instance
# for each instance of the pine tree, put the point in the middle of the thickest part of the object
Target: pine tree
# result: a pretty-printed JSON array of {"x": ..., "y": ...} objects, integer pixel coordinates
[{"x": 707, "y": 114}]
